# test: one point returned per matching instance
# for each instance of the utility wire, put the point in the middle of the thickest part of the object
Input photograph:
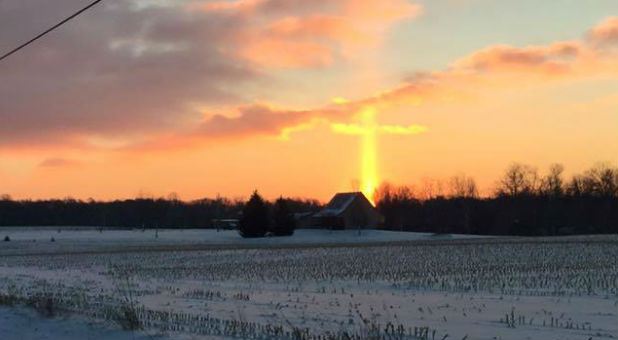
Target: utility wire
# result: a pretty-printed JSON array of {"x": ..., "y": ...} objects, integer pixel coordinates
[{"x": 49, "y": 30}]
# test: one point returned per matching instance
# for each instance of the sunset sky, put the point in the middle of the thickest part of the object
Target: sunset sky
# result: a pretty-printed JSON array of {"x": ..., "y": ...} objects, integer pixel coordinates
[{"x": 222, "y": 97}]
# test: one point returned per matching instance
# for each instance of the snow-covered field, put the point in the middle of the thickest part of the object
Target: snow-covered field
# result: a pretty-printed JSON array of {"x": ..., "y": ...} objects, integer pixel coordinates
[
  {"x": 410, "y": 290},
  {"x": 73, "y": 239}
]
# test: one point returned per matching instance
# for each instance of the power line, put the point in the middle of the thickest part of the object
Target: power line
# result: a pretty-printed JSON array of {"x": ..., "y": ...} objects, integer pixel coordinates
[{"x": 49, "y": 30}]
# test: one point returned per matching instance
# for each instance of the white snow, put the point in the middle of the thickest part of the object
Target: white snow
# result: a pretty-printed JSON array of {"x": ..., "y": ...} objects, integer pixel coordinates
[
  {"x": 552, "y": 289},
  {"x": 26, "y": 240},
  {"x": 26, "y": 324}
]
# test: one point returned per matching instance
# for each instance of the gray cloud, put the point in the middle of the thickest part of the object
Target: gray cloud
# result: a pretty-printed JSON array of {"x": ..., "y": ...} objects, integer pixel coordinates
[{"x": 117, "y": 70}]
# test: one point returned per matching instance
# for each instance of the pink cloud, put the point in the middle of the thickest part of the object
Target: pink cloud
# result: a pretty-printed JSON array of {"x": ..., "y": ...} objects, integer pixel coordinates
[
  {"x": 309, "y": 33},
  {"x": 262, "y": 7},
  {"x": 271, "y": 52},
  {"x": 316, "y": 26},
  {"x": 541, "y": 64},
  {"x": 550, "y": 58},
  {"x": 605, "y": 32},
  {"x": 133, "y": 72},
  {"x": 56, "y": 163}
]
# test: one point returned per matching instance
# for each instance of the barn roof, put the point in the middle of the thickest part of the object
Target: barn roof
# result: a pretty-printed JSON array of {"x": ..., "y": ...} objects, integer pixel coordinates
[{"x": 339, "y": 203}]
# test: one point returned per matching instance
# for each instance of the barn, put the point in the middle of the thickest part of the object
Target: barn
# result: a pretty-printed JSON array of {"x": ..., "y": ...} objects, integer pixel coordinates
[{"x": 347, "y": 210}]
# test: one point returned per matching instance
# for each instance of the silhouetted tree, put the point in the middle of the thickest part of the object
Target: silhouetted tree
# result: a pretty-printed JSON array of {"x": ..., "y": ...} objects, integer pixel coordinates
[
  {"x": 602, "y": 180},
  {"x": 552, "y": 184},
  {"x": 576, "y": 187},
  {"x": 463, "y": 190},
  {"x": 254, "y": 220},
  {"x": 431, "y": 188},
  {"x": 462, "y": 186},
  {"x": 283, "y": 219},
  {"x": 399, "y": 207},
  {"x": 519, "y": 179}
]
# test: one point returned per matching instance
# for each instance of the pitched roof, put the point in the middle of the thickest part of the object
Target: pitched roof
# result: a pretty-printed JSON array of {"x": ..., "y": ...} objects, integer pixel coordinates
[{"x": 339, "y": 203}]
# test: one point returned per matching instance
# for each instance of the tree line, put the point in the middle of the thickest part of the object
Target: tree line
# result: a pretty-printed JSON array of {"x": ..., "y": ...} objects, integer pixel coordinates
[
  {"x": 524, "y": 203},
  {"x": 164, "y": 212}
]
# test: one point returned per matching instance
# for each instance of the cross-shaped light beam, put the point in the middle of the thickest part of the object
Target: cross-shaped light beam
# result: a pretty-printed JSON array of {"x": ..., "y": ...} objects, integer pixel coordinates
[{"x": 369, "y": 129}]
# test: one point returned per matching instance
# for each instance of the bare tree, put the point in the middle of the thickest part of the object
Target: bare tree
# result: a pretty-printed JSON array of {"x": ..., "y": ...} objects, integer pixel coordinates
[
  {"x": 553, "y": 184},
  {"x": 173, "y": 197},
  {"x": 602, "y": 180},
  {"x": 404, "y": 193},
  {"x": 575, "y": 187},
  {"x": 384, "y": 192},
  {"x": 431, "y": 188},
  {"x": 462, "y": 186},
  {"x": 387, "y": 192},
  {"x": 519, "y": 179}
]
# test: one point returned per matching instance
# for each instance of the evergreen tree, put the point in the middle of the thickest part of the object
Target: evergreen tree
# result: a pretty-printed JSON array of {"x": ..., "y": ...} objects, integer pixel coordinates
[
  {"x": 254, "y": 220},
  {"x": 283, "y": 219}
]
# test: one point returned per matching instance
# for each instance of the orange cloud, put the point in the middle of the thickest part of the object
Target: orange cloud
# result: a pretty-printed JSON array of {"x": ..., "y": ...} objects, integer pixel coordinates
[
  {"x": 254, "y": 119},
  {"x": 280, "y": 53},
  {"x": 380, "y": 14},
  {"x": 179, "y": 56},
  {"x": 605, "y": 32},
  {"x": 259, "y": 7},
  {"x": 324, "y": 26},
  {"x": 555, "y": 57},
  {"x": 243, "y": 122},
  {"x": 56, "y": 162},
  {"x": 277, "y": 33},
  {"x": 493, "y": 68}
]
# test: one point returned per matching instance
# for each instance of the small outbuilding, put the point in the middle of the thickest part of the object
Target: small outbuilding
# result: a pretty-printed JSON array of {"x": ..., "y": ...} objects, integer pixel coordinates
[
  {"x": 347, "y": 210},
  {"x": 225, "y": 223}
]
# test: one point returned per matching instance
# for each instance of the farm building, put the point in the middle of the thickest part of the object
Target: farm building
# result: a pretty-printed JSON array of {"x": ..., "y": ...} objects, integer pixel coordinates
[{"x": 349, "y": 210}]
